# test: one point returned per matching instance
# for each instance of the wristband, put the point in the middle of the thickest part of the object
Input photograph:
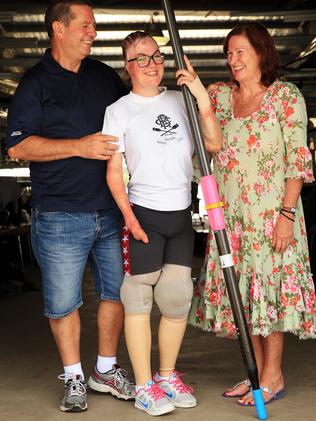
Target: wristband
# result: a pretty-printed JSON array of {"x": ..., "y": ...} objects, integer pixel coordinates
[{"x": 287, "y": 217}]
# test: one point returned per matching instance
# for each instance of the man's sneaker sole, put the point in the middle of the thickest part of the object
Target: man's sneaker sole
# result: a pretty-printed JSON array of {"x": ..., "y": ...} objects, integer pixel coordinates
[
  {"x": 74, "y": 408},
  {"x": 103, "y": 388},
  {"x": 155, "y": 411}
]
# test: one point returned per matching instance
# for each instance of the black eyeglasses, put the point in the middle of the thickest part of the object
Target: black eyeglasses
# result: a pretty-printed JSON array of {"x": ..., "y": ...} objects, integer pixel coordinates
[{"x": 143, "y": 61}]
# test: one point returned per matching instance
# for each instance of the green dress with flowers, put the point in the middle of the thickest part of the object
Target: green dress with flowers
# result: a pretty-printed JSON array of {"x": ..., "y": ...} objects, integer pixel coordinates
[{"x": 260, "y": 152}]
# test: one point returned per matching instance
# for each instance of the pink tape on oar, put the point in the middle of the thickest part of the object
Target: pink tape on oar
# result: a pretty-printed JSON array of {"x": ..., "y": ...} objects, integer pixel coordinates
[{"x": 213, "y": 204}]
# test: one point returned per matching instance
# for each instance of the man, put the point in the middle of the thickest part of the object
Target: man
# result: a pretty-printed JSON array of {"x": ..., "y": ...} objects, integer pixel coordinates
[{"x": 54, "y": 122}]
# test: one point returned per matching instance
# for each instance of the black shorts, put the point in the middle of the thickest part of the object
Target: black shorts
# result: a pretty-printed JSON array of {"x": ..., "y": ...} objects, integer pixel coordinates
[{"x": 171, "y": 240}]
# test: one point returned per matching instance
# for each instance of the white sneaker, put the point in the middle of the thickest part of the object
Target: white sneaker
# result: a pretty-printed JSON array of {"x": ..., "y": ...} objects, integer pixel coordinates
[
  {"x": 153, "y": 400},
  {"x": 176, "y": 391}
]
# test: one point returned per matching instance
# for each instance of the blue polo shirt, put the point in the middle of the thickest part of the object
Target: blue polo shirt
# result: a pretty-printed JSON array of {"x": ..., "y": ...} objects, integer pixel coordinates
[{"x": 56, "y": 103}]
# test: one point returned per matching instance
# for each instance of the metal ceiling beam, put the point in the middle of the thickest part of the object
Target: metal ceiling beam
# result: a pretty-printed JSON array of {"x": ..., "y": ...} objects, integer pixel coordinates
[
  {"x": 216, "y": 5},
  {"x": 10, "y": 42},
  {"x": 7, "y": 17},
  {"x": 288, "y": 15},
  {"x": 133, "y": 26},
  {"x": 30, "y": 59},
  {"x": 289, "y": 40},
  {"x": 118, "y": 64},
  {"x": 103, "y": 57},
  {"x": 10, "y": 75},
  {"x": 241, "y": 7},
  {"x": 29, "y": 62},
  {"x": 301, "y": 74}
]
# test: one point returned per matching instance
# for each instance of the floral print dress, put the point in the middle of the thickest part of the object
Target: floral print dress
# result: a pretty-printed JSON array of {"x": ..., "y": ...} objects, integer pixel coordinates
[{"x": 260, "y": 152}]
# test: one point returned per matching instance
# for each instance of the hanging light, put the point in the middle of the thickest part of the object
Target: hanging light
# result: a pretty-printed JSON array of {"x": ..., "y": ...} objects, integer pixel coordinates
[{"x": 155, "y": 30}]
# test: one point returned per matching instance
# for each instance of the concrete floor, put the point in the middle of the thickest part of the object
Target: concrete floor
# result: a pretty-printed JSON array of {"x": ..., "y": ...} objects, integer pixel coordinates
[{"x": 29, "y": 366}]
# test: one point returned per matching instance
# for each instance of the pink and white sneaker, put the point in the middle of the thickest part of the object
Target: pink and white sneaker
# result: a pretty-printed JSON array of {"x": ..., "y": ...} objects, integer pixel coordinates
[
  {"x": 176, "y": 391},
  {"x": 153, "y": 400}
]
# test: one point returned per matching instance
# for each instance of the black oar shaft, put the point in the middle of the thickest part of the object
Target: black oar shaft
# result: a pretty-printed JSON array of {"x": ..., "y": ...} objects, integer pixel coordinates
[
  {"x": 188, "y": 98},
  {"x": 237, "y": 309}
]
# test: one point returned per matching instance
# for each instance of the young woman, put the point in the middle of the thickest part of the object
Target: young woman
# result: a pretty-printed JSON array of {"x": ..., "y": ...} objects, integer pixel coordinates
[{"x": 153, "y": 131}]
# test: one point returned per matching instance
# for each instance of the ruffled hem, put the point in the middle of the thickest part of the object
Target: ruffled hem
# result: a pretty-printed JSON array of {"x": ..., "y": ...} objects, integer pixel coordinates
[
  {"x": 234, "y": 336},
  {"x": 266, "y": 311},
  {"x": 207, "y": 325}
]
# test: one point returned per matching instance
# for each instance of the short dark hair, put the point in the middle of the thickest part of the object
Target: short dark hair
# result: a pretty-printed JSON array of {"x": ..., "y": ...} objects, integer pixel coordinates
[
  {"x": 262, "y": 42},
  {"x": 60, "y": 10}
]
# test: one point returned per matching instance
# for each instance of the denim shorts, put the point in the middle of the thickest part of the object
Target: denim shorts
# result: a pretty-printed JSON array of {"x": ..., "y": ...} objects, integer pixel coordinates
[{"x": 63, "y": 243}]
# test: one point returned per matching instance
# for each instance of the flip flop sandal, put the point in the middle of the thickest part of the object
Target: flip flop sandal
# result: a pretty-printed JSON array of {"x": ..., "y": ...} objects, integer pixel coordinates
[
  {"x": 246, "y": 382},
  {"x": 274, "y": 396}
]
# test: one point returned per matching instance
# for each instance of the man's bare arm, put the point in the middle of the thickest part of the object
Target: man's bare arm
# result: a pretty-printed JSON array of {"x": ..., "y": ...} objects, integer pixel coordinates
[{"x": 40, "y": 149}]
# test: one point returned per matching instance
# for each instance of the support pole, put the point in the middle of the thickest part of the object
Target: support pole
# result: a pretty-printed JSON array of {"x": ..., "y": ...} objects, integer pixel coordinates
[{"x": 216, "y": 219}]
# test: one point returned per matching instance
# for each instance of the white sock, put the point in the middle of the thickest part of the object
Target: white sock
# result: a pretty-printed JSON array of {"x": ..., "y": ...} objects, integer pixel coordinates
[
  {"x": 75, "y": 369},
  {"x": 105, "y": 364}
]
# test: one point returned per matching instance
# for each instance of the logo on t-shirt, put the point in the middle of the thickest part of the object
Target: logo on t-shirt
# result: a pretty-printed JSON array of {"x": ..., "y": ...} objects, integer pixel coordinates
[{"x": 166, "y": 129}]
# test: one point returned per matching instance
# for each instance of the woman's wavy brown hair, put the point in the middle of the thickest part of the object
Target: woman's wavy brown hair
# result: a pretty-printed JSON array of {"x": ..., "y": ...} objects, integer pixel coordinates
[{"x": 262, "y": 42}]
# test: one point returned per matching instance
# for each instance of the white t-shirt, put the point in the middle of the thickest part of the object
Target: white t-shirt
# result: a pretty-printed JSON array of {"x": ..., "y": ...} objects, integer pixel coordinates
[{"x": 154, "y": 135}]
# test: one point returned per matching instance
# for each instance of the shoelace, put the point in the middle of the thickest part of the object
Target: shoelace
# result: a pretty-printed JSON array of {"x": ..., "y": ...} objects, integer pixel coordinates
[
  {"x": 178, "y": 383},
  {"x": 155, "y": 392},
  {"x": 74, "y": 384},
  {"x": 121, "y": 376}
]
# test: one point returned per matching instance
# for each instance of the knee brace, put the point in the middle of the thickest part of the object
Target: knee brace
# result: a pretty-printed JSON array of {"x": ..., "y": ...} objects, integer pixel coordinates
[
  {"x": 137, "y": 292},
  {"x": 173, "y": 291}
]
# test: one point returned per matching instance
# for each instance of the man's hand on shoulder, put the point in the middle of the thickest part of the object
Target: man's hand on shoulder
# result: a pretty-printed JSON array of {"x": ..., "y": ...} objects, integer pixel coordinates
[{"x": 97, "y": 146}]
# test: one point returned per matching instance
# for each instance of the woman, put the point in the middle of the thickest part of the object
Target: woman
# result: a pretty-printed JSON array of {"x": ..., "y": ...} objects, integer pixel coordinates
[
  {"x": 260, "y": 172},
  {"x": 153, "y": 133}
]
